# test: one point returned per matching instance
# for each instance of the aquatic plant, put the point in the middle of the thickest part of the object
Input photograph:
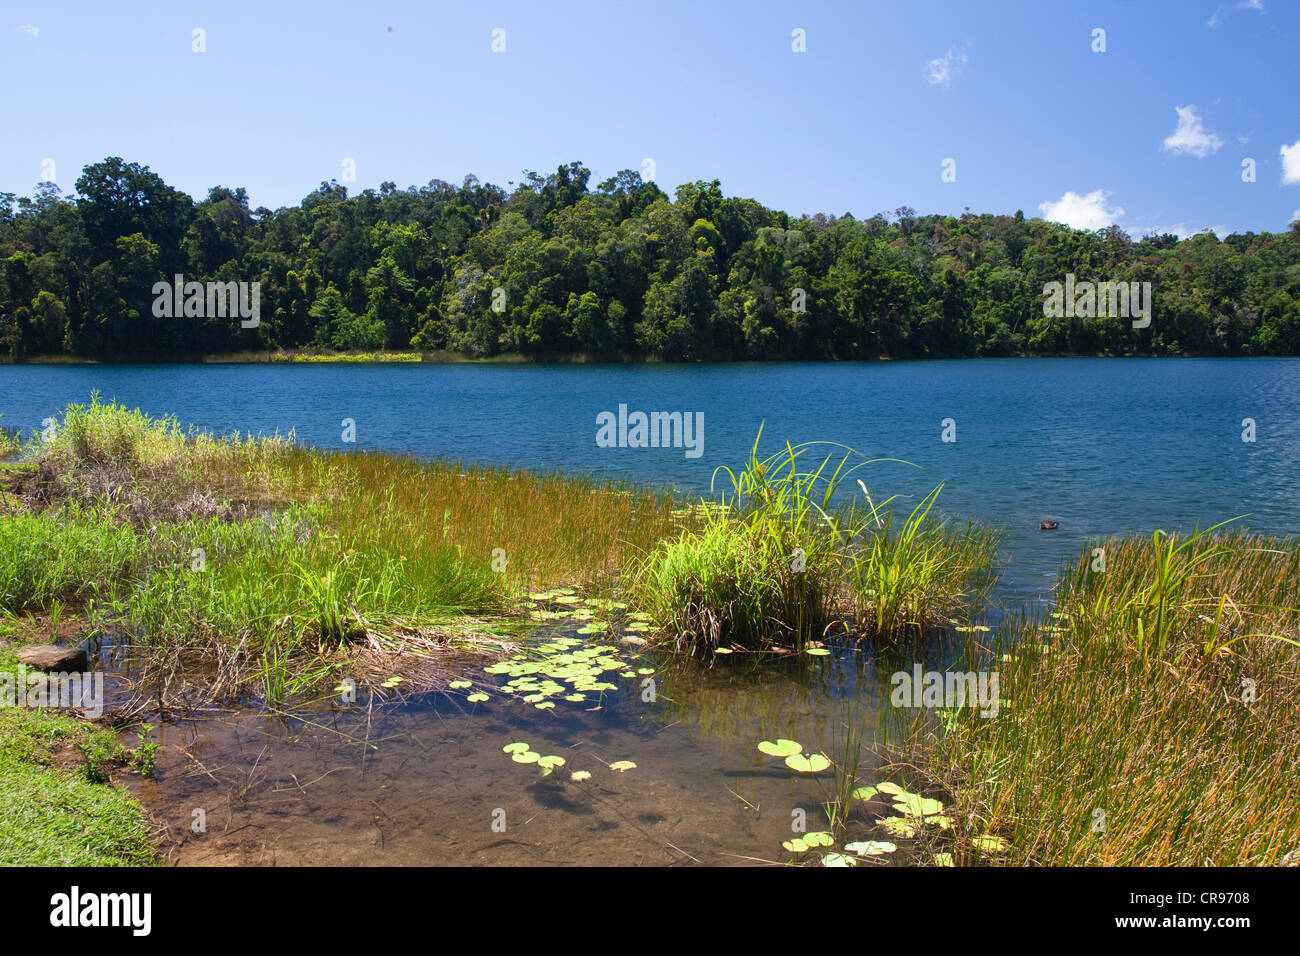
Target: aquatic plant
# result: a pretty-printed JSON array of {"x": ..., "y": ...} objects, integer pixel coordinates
[{"x": 1175, "y": 671}]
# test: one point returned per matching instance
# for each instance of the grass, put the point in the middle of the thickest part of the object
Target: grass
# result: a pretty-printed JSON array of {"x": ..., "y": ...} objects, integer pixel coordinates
[
  {"x": 780, "y": 561},
  {"x": 1154, "y": 724},
  {"x": 57, "y": 807},
  {"x": 284, "y": 560}
]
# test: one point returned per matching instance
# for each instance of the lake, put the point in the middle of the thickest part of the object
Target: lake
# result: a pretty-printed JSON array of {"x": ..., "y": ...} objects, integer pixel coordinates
[{"x": 1104, "y": 446}]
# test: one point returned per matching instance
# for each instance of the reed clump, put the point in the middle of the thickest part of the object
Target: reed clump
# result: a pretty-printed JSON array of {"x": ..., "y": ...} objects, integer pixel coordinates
[
  {"x": 1154, "y": 722},
  {"x": 786, "y": 556}
]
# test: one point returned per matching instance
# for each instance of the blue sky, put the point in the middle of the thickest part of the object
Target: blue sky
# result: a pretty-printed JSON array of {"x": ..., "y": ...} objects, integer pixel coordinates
[{"x": 1151, "y": 133}]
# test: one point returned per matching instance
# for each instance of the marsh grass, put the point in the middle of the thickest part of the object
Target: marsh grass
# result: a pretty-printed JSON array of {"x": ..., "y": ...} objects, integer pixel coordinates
[
  {"x": 786, "y": 556},
  {"x": 291, "y": 558},
  {"x": 1154, "y": 723}
]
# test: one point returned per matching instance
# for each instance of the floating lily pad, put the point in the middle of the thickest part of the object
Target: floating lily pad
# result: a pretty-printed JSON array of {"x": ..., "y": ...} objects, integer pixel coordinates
[
  {"x": 458, "y": 684},
  {"x": 871, "y": 847},
  {"x": 527, "y": 756},
  {"x": 477, "y": 697},
  {"x": 891, "y": 788},
  {"x": 645, "y": 670},
  {"x": 811, "y": 763},
  {"x": 391, "y": 682},
  {"x": 864, "y": 793},
  {"x": 991, "y": 844},
  {"x": 817, "y": 651},
  {"x": 545, "y": 705},
  {"x": 795, "y": 846},
  {"x": 898, "y": 826},
  {"x": 622, "y": 766},
  {"x": 550, "y": 761},
  {"x": 915, "y": 805},
  {"x": 819, "y": 838},
  {"x": 722, "y": 650},
  {"x": 839, "y": 859},
  {"x": 574, "y": 698},
  {"x": 943, "y": 859},
  {"x": 580, "y": 775},
  {"x": 516, "y": 748},
  {"x": 782, "y": 748}
]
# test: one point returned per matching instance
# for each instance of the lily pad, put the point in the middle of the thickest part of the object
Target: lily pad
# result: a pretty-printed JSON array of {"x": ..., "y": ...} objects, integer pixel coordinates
[
  {"x": 795, "y": 846},
  {"x": 580, "y": 775},
  {"x": 527, "y": 756},
  {"x": 622, "y": 766},
  {"x": 914, "y": 805},
  {"x": 516, "y": 748},
  {"x": 545, "y": 705},
  {"x": 811, "y": 763},
  {"x": 550, "y": 761},
  {"x": 459, "y": 684},
  {"x": 943, "y": 859},
  {"x": 476, "y": 698},
  {"x": 871, "y": 847},
  {"x": 898, "y": 826},
  {"x": 817, "y": 651},
  {"x": 782, "y": 748},
  {"x": 819, "y": 838},
  {"x": 722, "y": 650},
  {"x": 890, "y": 788},
  {"x": 864, "y": 793},
  {"x": 991, "y": 844},
  {"x": 839, "y": 859}
]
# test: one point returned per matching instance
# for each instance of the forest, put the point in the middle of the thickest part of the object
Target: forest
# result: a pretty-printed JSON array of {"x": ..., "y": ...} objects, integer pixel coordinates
[{"x": 555, "y": 269}]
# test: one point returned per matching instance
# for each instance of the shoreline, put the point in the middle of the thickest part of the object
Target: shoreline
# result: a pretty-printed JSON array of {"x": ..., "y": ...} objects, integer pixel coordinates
[{"x": 314, "y": 357}]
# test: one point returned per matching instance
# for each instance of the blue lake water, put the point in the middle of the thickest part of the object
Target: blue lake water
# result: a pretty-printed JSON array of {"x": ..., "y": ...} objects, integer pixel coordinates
[{"x": 1104, "y": 446}]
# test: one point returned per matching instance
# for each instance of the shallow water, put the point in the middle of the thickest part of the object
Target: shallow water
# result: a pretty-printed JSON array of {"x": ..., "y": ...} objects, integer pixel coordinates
[{"x": 422, "y": 778}]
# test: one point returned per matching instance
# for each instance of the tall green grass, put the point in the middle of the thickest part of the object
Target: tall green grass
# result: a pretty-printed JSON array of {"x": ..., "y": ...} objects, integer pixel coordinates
[
  {"x": 1155, "y": 723},
  {"x": 782, "y": 560}
]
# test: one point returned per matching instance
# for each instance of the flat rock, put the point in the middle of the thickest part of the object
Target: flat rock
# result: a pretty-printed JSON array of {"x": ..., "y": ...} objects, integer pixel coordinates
[{"x": 52, "y": 657}]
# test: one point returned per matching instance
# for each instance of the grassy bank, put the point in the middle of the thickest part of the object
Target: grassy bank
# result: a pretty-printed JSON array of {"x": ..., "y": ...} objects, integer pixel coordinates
[
  {"x": 57, "y": 804},
  {"x": 1153, "y": 722},
  {"x": 283, "y": 565}
]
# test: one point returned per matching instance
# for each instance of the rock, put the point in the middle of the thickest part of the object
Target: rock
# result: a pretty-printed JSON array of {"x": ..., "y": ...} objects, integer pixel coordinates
[{"x": 52, "y": 657}]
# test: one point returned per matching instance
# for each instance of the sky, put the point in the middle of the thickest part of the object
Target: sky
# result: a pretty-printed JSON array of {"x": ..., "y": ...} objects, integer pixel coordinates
[{"x": 858, "y": 106}]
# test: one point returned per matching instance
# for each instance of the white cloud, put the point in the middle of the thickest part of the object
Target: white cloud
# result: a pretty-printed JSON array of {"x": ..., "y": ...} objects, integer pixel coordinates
[
  {"x": 941, "y": 70},
  {"x": 1216, "y": 18},
  {"x": 1252, "y": 5},
  {"x": 1191, "y": 136},
  {"x": 27, "y": 28},
  {"x": 1291, "y": 163},
  {"x": 1082, "y": 212},
  {"x": 1294, "y": 216}
]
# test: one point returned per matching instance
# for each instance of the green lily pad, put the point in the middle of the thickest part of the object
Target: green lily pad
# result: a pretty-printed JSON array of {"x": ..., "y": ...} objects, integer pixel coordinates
[
  {"x": 819, "y": 838},
  {"x": 527, "y": 756},
  {"x": 795, "y": 846},
  {"x": 476, "y": 698},
  {"x": 782, "y": 748},
  {"x": 864, "y": 793},
  {"x": 459, "y": 684},
  {"x": 898, "y": 826},
  {"x": 622, "y": 766},
  {"x": 991, "y": 844},
  {"x": 817, "y": 651},
  {"x": 812, "y": 763},
  {"x": 891, "y": 788},
  {"x": 545, "y": 705},
  {"x": 550, "y": 761},
  {"x": 517, "y": 748},
  {"x": 914, "y": 805},
  {"x": 871, "y": 847},
  {"x": 839, "y": 859},
  {"x": 943, "y": 859},
  {"x": 722, "y": 650}
]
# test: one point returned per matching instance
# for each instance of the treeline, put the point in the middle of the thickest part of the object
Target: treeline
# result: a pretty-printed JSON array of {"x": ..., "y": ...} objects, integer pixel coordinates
[{"x": 556, "y": 268}]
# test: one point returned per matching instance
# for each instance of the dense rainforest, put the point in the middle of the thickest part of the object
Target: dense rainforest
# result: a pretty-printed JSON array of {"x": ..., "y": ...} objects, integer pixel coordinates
[{"x": 555, "y": 268}]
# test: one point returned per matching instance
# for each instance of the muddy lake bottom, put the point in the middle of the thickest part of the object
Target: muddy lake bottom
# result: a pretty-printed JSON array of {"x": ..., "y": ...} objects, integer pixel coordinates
[{"x": 422, "y": 779}]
